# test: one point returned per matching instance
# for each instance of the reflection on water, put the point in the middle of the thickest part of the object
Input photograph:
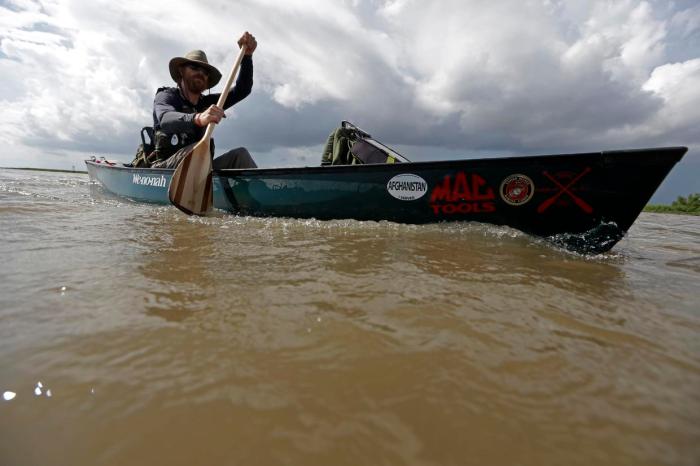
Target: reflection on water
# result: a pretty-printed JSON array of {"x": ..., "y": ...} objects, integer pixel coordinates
[{"x": 131, "y": 334}]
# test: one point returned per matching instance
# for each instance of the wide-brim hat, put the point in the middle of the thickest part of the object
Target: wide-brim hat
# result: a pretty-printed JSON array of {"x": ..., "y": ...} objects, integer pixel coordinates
[{"x": 199, "y": 58}]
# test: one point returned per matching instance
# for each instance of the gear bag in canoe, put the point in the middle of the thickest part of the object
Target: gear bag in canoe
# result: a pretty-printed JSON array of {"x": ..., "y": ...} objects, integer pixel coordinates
[{"x": 349, "y": 145}]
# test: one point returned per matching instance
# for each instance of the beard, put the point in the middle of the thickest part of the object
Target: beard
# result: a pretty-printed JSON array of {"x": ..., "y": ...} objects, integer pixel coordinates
[{"x": 196, "y": 83}]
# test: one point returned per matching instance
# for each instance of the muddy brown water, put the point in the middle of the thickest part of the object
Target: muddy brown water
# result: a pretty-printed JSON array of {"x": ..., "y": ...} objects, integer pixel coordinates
[{"x": 131, "y": 334}]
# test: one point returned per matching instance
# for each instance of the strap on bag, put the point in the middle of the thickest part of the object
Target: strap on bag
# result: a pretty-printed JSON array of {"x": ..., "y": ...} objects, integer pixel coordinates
[{"x": 149, "y": 146}]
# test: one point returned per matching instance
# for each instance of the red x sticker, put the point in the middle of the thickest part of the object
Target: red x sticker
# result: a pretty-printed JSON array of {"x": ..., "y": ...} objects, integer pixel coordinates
[{"x": 566, "y": 189}]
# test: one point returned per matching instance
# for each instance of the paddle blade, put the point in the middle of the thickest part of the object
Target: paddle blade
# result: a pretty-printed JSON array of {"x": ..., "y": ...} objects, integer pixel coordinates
[{"x": 191, "y": 185}]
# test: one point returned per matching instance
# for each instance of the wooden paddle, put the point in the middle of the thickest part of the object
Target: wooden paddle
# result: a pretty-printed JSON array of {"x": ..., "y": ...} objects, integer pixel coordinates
[{"x": 190, "y": 187}]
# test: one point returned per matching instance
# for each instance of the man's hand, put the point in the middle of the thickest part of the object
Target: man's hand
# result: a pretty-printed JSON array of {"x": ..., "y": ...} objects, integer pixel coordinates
[
  {"x": 213, "y": 114},
  {"x": 249, "y": 41}
]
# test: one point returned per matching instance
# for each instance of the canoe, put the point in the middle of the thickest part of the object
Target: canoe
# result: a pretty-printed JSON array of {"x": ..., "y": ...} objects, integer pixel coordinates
[{"x": 585, "y": 202}]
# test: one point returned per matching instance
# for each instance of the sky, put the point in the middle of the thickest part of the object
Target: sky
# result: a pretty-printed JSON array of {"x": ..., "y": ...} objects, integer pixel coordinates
[{"x": 437, "y": 80}]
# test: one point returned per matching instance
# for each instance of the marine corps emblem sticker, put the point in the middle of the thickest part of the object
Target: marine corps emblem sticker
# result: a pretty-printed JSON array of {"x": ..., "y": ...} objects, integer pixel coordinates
[{"x": 517, "y": 189}]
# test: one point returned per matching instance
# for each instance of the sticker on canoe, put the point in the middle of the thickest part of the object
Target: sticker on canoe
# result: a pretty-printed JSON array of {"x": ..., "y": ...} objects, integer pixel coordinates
[
  {"x": 517, "y": 189},
  {"x": 157, "y": 181},
  {"x": 559, "y": 180},
  {"x": 462, "y": 193},
  {"x": 407, "y": 187}
]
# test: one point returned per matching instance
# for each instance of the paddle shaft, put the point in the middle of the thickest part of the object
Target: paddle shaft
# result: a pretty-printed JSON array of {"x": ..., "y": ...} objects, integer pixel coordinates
[{"x": 224, "y": 93}]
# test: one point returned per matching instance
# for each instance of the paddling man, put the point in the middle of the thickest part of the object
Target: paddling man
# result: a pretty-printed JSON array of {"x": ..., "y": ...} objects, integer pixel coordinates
[{"x": 181, "y": 114}]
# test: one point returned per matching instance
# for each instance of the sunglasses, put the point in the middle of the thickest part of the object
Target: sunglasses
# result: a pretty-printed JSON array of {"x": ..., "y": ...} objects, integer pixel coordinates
[{"x": 195, "y": 67}]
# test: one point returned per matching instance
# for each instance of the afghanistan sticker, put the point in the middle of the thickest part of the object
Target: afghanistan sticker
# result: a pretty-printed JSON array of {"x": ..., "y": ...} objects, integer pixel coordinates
[
  {"x": 407, "y": 187},
  {"x": 517, "y": 189}
]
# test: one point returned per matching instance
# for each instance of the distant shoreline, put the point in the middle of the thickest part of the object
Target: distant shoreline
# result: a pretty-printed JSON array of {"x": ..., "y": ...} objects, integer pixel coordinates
[
  {"x": 689, "y": 205},
  {"x": 44, "y": 170},
  {"x": 666, "y": 209}
]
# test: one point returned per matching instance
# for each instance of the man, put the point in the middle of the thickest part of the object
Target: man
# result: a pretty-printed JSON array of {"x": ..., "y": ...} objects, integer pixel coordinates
[{"x": 181, "y": 114}]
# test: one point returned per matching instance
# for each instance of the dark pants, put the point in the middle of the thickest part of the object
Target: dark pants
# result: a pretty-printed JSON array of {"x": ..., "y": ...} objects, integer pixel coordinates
[{"x": 236, "y": 158}]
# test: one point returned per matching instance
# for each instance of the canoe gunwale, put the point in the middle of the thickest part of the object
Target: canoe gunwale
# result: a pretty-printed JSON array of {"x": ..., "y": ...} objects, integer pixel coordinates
[{"x": 606, "y": 157}]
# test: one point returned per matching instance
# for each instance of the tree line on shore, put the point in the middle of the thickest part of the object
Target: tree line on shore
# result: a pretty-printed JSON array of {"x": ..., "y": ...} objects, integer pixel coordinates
[{"x": 682, "y": 205}]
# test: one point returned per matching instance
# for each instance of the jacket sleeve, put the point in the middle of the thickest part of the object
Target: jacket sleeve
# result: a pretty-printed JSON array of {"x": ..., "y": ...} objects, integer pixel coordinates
[
  {"x": 243, "y": 86},
  {"x": 169, "y": 119}
]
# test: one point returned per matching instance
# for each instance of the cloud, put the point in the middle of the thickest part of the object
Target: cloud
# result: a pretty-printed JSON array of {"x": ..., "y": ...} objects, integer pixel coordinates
[
  {"x": 678, "y": 84},
  {"x": 438, "y": 78}
]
